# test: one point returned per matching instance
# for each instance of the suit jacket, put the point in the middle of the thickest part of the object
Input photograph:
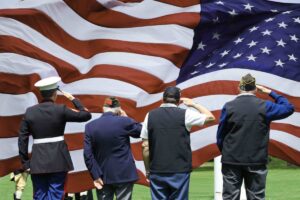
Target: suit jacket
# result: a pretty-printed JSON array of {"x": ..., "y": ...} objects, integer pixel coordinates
[
  {"x": 48, "y": 120},
  {"x": 107, "y": 151}
]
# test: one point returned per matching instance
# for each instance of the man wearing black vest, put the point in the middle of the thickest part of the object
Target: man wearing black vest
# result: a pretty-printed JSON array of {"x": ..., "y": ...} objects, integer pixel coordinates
[
  {"x": 243, "y": 136},
  {"x": 166, "y": 144}
]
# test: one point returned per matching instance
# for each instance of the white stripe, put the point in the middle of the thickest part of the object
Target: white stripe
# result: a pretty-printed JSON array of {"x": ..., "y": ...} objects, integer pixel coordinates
[
  {"x": 78, "y": 160},
  {"x": 75, "y": 127},
  {"x": 287, "y": 139},
  {"x": 286, "y": 86},
  {"x": 286, "y": 1},
  {"x": 69, "y": 21},
  {"x": 293, "y": 119},
  {"x": 161, "y": 68},
  {"x": 48, "y": 140},
  {"x": 19, "y": 64},
  {"x": 9, "y": 147},
  {"x": 207, "y": 136},
  {"x": 16, "y": 104},
  {"x": 147, "y": 9}
]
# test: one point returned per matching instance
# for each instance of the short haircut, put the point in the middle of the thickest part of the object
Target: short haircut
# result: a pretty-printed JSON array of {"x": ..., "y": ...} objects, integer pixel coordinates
[
  {"x": 171, "y": 95},
  {"x": 47, "y": 94}
]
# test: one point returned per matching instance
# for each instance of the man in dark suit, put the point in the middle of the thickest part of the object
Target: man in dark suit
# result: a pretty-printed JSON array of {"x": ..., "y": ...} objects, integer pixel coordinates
[
  {"x": 46, "y": 121},
  {"x": 107, "y": 152}
]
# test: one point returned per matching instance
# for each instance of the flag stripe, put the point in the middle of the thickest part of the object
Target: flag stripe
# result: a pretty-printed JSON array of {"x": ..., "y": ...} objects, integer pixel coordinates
[
  {"x": 204, "y": 90},
  {"x": 87, "y": 49},
  {"x": 145, "y": 9},
  {"x": 99, "y": 15},
  {"x": 181, "y": 3},
  {"x": 164, "y": 34}
]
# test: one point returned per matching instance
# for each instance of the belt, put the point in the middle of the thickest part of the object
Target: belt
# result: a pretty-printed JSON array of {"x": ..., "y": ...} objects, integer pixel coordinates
[{"x": 48, "y": 140}]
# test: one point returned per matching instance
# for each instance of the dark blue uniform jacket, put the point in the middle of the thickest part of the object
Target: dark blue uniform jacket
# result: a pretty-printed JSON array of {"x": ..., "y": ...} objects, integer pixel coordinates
[{"x": 107, "y": 151}]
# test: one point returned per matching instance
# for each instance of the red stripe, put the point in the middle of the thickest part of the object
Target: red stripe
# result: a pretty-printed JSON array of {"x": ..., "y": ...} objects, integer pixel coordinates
[
  {"x": 97, "y": 14},
  {"x": 284, "y": 152},
  {"x": 9, "y": 165},
  {"x": 181, "y": 3}
]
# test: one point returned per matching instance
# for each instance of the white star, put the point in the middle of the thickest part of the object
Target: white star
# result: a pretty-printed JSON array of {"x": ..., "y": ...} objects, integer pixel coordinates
[
  {"x": 237, "y": 55},
  {"x": 282, "y": 25},
  {"x": 297, "y": 20},
  {"x": 294, "y": 38},
  {"x": 252, "y": 44},
  {"x": 216, "y": 36},
  {"x": 280, "y": 43},
  {"x": 232, "y": 13},
  {"x": 199, "y": 63},
  {"x": 220, "y": 2},
  {"x": 201, "y": 45},
  {"x": 279, "y": 63},
  {"x": 292, "y": 57},
  {"x": 210, "y": 64},
  {"x": 274, "y": 10},
  {"x": 287, "y": 12},
  {"x": 224, "y": 53},
  {"x": 266, "y": 32},
  {"x": 254, "y": 28},
  {"x": 195, "y": 72},
  {"x": 269, "y": 19},
  {"x": 251, "y": 57},
  {"x": 223, "y": 65},
  {"x": 265, "y": 50},
  {"x": 216, "y": 20},
  {"x": 239, "y": 40},
  {"x": 248, "y": 7}
]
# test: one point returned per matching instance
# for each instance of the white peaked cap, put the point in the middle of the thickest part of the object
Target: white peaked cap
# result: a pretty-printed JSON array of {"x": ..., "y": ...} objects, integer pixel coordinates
[{"x": 48, "y": 83}]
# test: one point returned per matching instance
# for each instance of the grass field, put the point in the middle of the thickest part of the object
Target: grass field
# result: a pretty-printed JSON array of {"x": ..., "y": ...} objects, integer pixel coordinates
[{"x": 283, "y": 183}]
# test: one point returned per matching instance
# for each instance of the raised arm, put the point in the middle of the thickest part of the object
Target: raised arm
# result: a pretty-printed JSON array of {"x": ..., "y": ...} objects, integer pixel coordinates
[
  {"x": 209, "y": 117},
  {"x": 80, "y": 115}
]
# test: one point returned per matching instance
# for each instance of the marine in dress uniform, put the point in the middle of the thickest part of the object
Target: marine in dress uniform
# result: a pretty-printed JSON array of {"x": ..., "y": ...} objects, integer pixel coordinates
[
  {"x": 45, "y": 122},
  {"x": 107, "y": 152}
]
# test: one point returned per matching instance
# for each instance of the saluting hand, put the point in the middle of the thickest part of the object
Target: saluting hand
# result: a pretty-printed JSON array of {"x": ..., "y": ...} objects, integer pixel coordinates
[
  {"x": 187, "y": 101},
  {"x": 68, "y": 95},
  {"x": 98, "y": 183},
  {"x": 263, "y": 89}
]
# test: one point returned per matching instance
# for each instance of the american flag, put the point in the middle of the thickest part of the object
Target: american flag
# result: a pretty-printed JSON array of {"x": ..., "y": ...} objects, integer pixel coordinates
[{"x": 133, "y": 49}]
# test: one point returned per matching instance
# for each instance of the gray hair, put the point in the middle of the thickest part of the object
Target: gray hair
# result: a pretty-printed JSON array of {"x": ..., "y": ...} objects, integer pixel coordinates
[{"x": 113, "y": 110}]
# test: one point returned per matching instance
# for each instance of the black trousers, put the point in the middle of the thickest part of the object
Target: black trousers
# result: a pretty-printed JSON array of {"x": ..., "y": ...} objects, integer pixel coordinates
[
  {"x": 254, "y": 177},
  {"x": 123, "y": 191}
]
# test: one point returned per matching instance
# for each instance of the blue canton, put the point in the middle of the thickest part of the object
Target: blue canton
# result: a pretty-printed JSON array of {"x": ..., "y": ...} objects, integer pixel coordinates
[{"x": 257, "y": 35}]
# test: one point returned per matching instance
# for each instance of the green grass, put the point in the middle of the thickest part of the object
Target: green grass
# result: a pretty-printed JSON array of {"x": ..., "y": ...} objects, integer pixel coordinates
[{"x": 283, "y": 183}]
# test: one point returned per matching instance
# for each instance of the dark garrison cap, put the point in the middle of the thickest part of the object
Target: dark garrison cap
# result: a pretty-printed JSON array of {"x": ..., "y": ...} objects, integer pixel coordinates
[
  {"x": 172, "y": 92},
  {"x": 247, "y": 83},
  {"x": 111, "y": 102}
]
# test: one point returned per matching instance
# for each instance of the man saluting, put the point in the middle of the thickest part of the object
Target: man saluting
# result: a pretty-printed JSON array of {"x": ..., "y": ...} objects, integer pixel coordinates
[{"x": 46, "y": 121}]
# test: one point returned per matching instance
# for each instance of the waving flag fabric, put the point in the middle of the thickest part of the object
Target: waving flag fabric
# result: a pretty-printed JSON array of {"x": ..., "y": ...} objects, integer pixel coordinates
[{"x": 133, "y": 49}]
